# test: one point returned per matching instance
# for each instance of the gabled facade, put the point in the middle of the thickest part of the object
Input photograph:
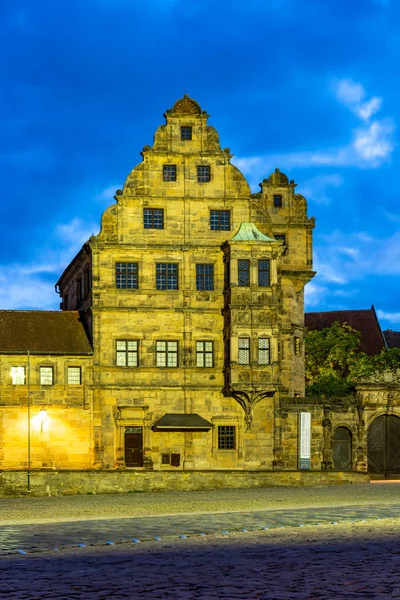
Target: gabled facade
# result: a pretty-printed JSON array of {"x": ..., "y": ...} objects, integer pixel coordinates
[{"x": 193, "y": 297}]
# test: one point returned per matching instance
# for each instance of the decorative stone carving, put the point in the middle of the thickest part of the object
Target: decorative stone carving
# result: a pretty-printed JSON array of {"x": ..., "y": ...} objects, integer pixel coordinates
[
  {"x": 186, "y": 106},
  {"x": 244, "y": 317},
  {"x": 212, "y": 141},
  {"x": 247, "y": 401},
  {"x": 244, "y": 376}
]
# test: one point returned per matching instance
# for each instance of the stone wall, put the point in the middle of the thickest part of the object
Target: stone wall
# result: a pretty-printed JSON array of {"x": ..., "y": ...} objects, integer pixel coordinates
[{"x": 58, "y": 483}]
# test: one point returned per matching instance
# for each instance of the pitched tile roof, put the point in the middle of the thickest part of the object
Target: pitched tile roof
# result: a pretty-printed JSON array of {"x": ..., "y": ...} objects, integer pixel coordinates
[
  {"x": 42, "y": 332},
  {"x": 392, "y": 338},
  {"x": 372, "y": 339}
]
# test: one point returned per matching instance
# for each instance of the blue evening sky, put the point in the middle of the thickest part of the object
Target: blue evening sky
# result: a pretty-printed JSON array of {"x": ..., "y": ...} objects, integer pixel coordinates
[{"x": 309, "y": 86}]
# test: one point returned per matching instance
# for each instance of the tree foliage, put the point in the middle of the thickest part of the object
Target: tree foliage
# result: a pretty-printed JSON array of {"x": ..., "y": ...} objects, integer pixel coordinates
[{"x": 335, "y": 363}]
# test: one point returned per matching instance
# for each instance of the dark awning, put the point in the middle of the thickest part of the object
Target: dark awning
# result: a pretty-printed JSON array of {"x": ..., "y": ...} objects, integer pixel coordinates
[{"x": 182, "y": 422}]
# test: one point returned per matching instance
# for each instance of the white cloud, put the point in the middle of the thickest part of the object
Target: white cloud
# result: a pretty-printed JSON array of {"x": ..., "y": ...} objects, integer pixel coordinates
[
  {"x": 348, "y": 91},
  {"x": 30, "y": 287},
  {"x": 314, "y": 294},
  {"x": 371, "y": 143},
  {"x": 393, "y": 317}
]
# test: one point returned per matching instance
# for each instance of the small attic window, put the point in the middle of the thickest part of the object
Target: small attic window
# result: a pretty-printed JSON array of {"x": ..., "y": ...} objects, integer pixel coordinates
[
  {"x": 186, "y": 133},
  {"x": 277, "y": 200}
]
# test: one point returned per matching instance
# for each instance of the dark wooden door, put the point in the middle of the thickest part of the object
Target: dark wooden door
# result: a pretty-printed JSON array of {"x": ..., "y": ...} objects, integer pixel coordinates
[
  {"x": 341, "y": 449},
  {"x": 133, "y": 447},
  {"x": 384, "y": 446}
]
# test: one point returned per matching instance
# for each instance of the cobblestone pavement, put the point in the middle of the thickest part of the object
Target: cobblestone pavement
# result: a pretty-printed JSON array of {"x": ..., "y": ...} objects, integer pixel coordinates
[
  {"x": 346, "y": 561},
  {"x": 32, "y": 524}
]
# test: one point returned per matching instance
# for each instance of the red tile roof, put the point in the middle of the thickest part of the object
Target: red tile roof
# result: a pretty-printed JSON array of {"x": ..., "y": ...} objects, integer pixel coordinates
[
  {"x": 364, "y": 321},
  {"x": 42, "y": 332}
]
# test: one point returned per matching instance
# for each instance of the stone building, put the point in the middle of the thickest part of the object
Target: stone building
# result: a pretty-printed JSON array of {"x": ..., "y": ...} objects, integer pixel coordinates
[{"x": 191, "y": 298}]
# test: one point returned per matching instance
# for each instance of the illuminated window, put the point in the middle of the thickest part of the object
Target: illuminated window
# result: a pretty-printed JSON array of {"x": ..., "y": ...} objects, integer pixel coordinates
[
  {"x": 264, "y": 357},
  {"x": 204, "y": 354},
  {"x": 166, "y": 354},
  {"x": 18, "y": 375},
  {"x": 46, "y": 376},
  {"x": 127, "y": 353},
  {"x": 244, "y": 351},
  {"x": 74, "y": 376},
  {"x": 226, "y": 437}
]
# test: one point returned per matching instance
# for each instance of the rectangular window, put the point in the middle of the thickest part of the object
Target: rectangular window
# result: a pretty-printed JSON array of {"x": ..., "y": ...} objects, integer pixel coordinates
[
  {"x": 244, "y": 351},
  {"x": 74, "y": 376},
  {"x": 169, "y": 173},
  {"x": 153, "y": 218},
  {"x": 263, "y": 273},
  {"x": 167, "y": 354},
  {"x": 126, "y": 276},
  {"x": 204, "y": 354},
  {"x": 277, "y": 200},
  {"x": 166, "y": 276},
  {"x": 220, "y": 219},
  {"x": 127, "y": 353},
  {"x": 264, "y": 356},
  {"x": 18, "y": 375},
  {"x": 203, "y": 173},
  {"x": 204, "y": 277},
  {"x": 186, "y": 133},
  {"x": 46, "y": 376},
  {"x": 226, "y": 437},
  {"x": 243, "y": 272}
]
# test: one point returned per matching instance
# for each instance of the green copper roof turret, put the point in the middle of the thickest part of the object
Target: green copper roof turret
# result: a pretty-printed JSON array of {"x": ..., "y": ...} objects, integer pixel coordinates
[{"x": 249, "y": 232}]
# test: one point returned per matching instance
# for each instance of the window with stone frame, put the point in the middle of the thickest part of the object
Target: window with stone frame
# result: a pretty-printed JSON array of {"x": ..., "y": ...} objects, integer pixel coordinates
[
  {"x": 204, "y": 277},
  {"x": 264, "y": 272},
  {"x": 126, "y": 275},
  {"x": 226, "y": 437},
  {"x": 169, "y": 172},
  {"x": 18, "y": 375},
  {"x": 186, "y": 132},
  {"x": 166, "y": 353},
  {"x": 204, "y": 354},
  {"x": 243, "y": 272},
  {"x": 264, "y": 351},
  {"x": 203, "y": 173},
  {"x": 244, "y": 351},
  {"x": 166, "y": 276},
  {"x": 46, "y": 375},
  {"x": 127, "y": 353},
  {"x": 153, "y": 218},
  {"x": 277, "y": 200},
  {"x": 220, "y": 220},
  {"x": 74, "y": 376}
]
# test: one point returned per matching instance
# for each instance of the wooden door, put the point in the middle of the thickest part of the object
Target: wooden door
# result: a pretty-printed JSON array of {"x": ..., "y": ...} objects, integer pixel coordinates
[
  {"x": 133, "y": 447},
  {"x": 384, "y": 446},
  {"x": 341, "y": 449}
]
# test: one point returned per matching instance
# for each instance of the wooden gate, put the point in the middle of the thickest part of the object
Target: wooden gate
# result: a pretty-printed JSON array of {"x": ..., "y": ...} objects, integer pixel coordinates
[
  {"x": 133, "y": 447},
  {"x": 384, "y": 446},
  {"x": 341, "y": 449}
]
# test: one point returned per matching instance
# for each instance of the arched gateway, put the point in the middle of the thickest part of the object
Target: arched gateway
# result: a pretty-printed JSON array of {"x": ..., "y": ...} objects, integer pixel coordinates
[{"x": 384, "y": 446}]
